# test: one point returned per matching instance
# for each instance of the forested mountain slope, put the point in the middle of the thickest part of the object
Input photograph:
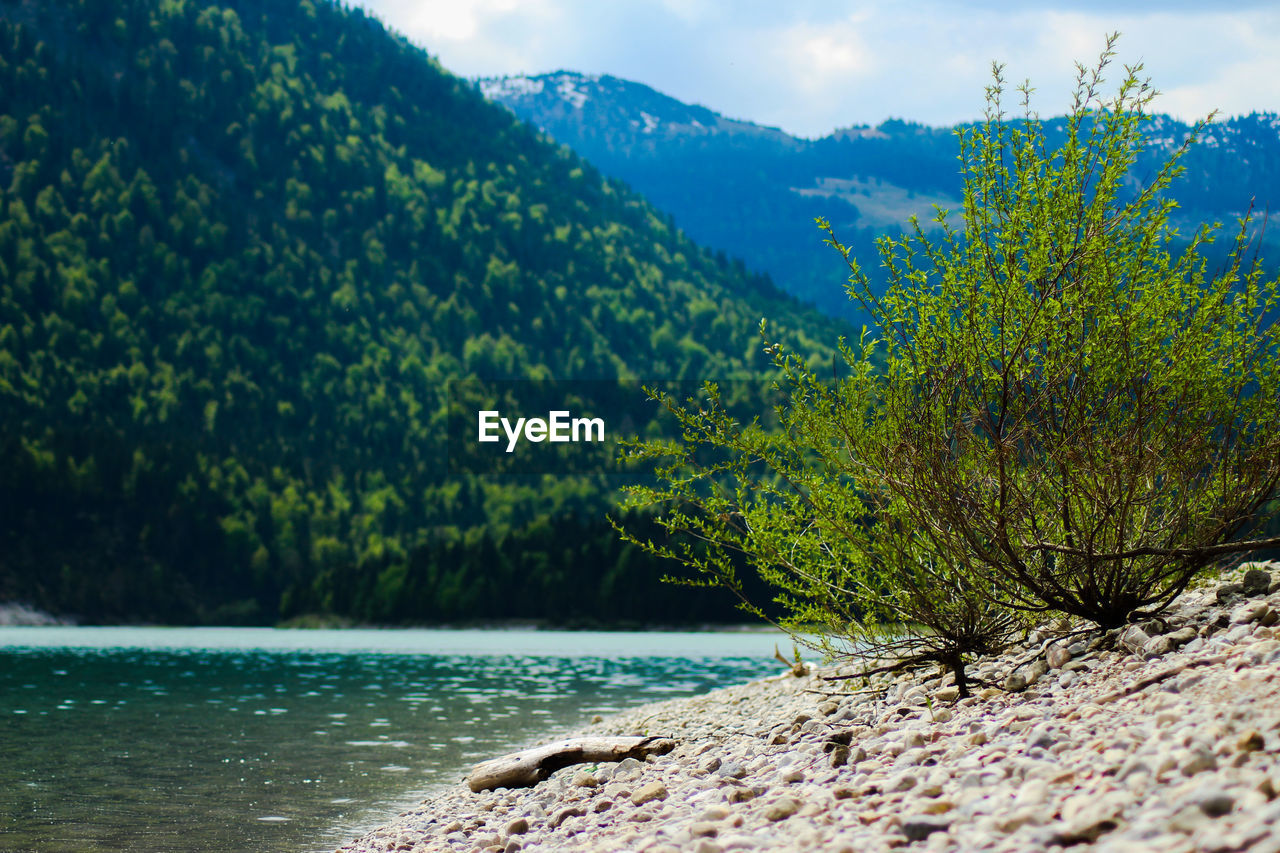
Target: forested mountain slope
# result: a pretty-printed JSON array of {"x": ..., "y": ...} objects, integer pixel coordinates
[
  {"x": 243, "y": 248},
  {"x": 754, "y": 191}
]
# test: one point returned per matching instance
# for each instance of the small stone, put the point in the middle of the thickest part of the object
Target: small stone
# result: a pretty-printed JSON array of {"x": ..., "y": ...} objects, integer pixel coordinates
[
  {"x": 715, "y": 813},
  {"x": 564, "y": 814},
  {"x": 597, "y": 719},
  {"x": 1036, "y": 671},
  {"x": 1229, "y": 591},
  {"x": 1014, "y": 683},
  {"x": 1182, "y": 636},
  {"x": 1256, "y": 582},
  {"x": 905, "y": 782},
  {"x": 1214, "y": 802},
  {"x": 626, "y": 765},
  {"x": 1251, "y": 741},
  {"x": 648, "y": 793},
  {"x": 1133, "y": 638},
  {"x": 519, "y": 826},
  {"x": 1189, "y": 819},
  {"x": 731, "y": 770},
  {"x": 1057, "y": 656},
  {"x": 585, "y": 780},
  {"x": 1252, "y": 611},
  {"x": 793, "y": 776},
  {"x": 741, "y": 794},
  {"x": 456, "y": 826},
  {"x": 828, "y": 708},
  {"x": 703, "y": 830},
  {"x": 602, "y": 806},
  {"x": 843, "y": 792},
  {"x": 942, "y": 715},
  {"x": 1238, "y": 632},
  {"x": 513, "y": 846},
  {"x": 837, "y": 739},
  {"x": 1086, "y": 830},
  {"x": 1067, "y": 679},
  {"x": 1042, "y": 737},
  {"x": 920, "y": 827},
  {"x": 782, "y": 809},
  {"x": 1198, "y": 762},
  {"x": 1157, "y": 647},
  {"x": 840, "y": 756},
  {"x": 1263, "y": 652},
  {"x": 978, "y": 738},
  {"x": 912, "y": 757},
  {"x": 1013, "y": 821},
  {"x": 947, "y": 694},
  {"x": 915, "y": 696},
  {"x": 938, "y": 807}
]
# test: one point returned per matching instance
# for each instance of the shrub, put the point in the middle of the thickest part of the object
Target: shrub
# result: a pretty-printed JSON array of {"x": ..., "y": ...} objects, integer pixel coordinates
[
  {"x": 1062, "y": 409},
  {"x": 1074, "y": 397}
]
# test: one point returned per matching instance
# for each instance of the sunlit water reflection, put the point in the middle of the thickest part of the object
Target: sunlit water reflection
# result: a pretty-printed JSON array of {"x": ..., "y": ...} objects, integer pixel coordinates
[{"x": 227, "y": 740}]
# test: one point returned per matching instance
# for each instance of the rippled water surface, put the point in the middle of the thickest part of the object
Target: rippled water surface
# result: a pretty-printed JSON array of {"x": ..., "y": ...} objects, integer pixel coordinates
[{"x": 259, "y": 740}]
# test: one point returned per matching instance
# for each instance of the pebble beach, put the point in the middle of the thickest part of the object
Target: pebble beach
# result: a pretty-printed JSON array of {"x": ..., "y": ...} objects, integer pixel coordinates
[{"x": 1162, "y": 736}]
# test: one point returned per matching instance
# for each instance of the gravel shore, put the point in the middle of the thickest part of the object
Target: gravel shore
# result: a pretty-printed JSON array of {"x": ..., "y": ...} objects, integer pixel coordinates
[{"x": 1161, "y": 737}]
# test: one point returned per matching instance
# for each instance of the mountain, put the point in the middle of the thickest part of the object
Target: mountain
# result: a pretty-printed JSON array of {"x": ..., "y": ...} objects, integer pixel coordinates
[
  {"x": 245, "y": 250},
  {"x": 754, "y": 191},
  {"x": 620, "y": 115}
]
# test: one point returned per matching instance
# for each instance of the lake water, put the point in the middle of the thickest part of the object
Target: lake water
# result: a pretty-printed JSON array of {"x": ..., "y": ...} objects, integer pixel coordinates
[{"x": 208, "y": 739}]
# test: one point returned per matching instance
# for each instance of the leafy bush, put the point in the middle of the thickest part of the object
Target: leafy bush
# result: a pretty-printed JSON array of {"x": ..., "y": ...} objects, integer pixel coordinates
[
  {"x": 1073, "y": 412},
  {"x": 1090, "y": 413}
]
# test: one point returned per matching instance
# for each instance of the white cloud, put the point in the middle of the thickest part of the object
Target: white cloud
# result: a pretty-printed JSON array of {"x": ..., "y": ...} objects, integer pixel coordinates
[{"x": 811, "y": 66}]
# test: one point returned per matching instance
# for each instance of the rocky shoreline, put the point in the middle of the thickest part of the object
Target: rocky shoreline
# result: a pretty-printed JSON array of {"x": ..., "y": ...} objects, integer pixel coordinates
[{"x": 1164, "y": 736}]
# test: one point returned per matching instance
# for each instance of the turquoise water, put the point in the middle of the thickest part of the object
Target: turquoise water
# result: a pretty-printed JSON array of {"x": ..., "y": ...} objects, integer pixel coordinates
[{"x": 155, "y": 739}]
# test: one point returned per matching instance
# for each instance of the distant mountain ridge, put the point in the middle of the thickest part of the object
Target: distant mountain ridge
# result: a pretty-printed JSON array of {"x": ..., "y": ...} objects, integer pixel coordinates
[
  {"x": 754, "y": 191},
  {"x": 619, "y": 107}
]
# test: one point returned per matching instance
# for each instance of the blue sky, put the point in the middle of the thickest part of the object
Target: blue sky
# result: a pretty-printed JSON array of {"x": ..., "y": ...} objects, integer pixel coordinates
[{"x": 809, "y": 66}]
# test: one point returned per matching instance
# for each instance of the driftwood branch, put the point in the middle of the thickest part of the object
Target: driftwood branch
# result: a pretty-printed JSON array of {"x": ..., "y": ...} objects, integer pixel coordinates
[{"x": 528, "y": 768}]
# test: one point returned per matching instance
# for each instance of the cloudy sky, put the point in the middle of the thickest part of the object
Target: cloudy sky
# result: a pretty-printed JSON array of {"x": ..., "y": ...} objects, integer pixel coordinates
[{"x": 809, "y": 66}]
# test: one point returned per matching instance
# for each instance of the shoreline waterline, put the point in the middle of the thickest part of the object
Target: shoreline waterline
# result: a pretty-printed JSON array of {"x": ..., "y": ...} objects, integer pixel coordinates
[
  {"x": 1121, "y": 740},
  {"x": 225, "y": 739},
  {"x": 499, "y": 642}
]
